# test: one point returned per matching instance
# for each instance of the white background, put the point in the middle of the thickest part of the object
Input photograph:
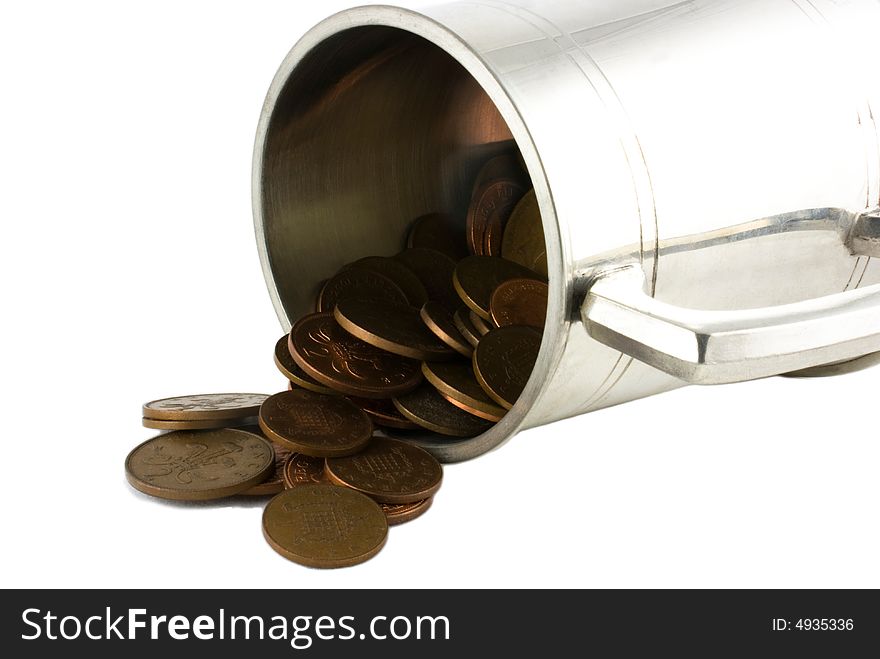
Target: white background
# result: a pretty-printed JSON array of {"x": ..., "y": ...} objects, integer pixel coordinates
[{"x": 130, "y": 272}]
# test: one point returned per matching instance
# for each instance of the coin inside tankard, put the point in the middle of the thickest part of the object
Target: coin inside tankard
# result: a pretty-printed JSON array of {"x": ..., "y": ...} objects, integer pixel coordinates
[
  {"x": 479, "y": 324},
  {"x": 503, "y": 362},
  {"x": 359, "y": 284},
  {"x": 462, "y": 320},
  {"x": 335, "y": 358},
  {"x": 427, "y": 408},
  {"x": 520, "y": 302},
  {"x": 436, "y": 231},
  {"x": 441, "y": 322},
  {"x": 397, "y": 328},
  {"x": 476, "y": 278},
  {"x": 398, "y": 272},
  {"x": 315, "y": 424},
  {"x": 388, "y": 470},
  {"x": 435, "y": 271},
  {"x": 503, "y": 166},
  {"x": 291, "y": 370},
  {"x": 199, "y": 465},
  {"x": 456, "y": 382},
  {"x": 488, "y": 213},
  {"x": 204, "y": 406},
  {"x": 325, "y": 526},
  {"x": 523, "y": 240}
]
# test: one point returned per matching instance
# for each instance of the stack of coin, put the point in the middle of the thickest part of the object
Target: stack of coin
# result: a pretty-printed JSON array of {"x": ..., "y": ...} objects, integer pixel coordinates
[{"x": 439, "y": 338}]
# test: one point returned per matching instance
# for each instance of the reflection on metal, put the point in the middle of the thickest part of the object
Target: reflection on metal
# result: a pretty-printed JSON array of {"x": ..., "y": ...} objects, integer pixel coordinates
[
  {"x": 837, "y": 368},
  {"x": 865, "y": 236},
  {"x": 826, "y": 334}
]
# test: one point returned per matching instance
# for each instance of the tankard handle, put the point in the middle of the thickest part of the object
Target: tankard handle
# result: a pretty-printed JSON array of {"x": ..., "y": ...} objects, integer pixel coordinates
[{"x": 716, "y": 347}]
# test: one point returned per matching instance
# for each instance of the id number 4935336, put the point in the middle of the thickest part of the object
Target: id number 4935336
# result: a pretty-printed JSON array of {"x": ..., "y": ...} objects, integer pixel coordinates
[{"x": 813, "y": 625}]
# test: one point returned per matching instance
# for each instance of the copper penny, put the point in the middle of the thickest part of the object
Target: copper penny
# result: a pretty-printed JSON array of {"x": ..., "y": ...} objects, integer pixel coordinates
[
  {"x": 462, "y": 320},
  {"x": 477, "y": 277},
  {"x": 359, "y": 284},
  {"x": 519, "y": 302},
  {"x": 335, "y": 358},
  {"x": 426, "y": 407},
  {"x": 197, "y": 424},
  {"x": 389, "y": 471},
  {"x": 315, "y": 424},
  {"x": 397, "y": 328},
  {"x": 325, "y": 526},
  {"x": 503, "y": 362},
  {"x": 275, "y": 482},
  {"x": 437, "y": 231},
  {"x": 291, "y": 370},
  {"x": 479, "y": 324},
  {"x": 204, "y": 406},
  {"x": 399, "y": 513},
  {"x": 523, "y": 240},
  {"x": 383, "y": 413},
  {"x": 398, "y": 272},
  {"x": 439, "y": 320},
  {"x": 435, "y": 271},
  {"x": 488, "y": 213},
  {"x": 199, "y": 465},
  {"x": 504, "y": 166},
  {"x": 301, "y": 469},
  {"x": 456, "y": 383}
]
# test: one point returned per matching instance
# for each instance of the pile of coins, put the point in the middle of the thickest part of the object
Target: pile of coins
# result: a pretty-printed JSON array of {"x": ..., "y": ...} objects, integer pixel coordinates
[{"x": 440, "y": 338}]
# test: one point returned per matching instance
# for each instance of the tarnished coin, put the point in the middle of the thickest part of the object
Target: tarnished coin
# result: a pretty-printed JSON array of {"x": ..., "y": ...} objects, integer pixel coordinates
[
  {"x": 359, "y": 284},
  {"x": 325, "y": 526},
  {"x": 523, "y": 240},
  {"x": 477, "y": 277},
  {"x": 437, "y": 231},
  {"x": 335, "y": 358},
  {"x": 440, "y": 321},
  {"x": 275, "y": 482},
  {"x": 301, "y": 469},
  {"x": 199, "y": 465},
  {"x": 389, "y": 471},
  {"x": 479, "y": 324},
  {"x": 456, "y": 383},
  {"x": 205, "y": 406},
  {"x": 398, "y": 513},
  {"x": 426, "y": 407},
  {"x": 197, "y": 424},
  {"x": 503, "y": 362},
  {"x": 397, "y": 328},
  {"x": 462, "y": 320},
  {"x": 435, "y": 271},
  {"x": 488, "y": 213},
  {"x": 398, "y": 272},
  {"x": 504, "y": 166},
  {"x": 315, "y": 424},
  {"x": 383, "y": 413},
  {"x": 519, "y": 302},
  {"x": 497, "y": 223},
  {"x": 291, "y": 370}
]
